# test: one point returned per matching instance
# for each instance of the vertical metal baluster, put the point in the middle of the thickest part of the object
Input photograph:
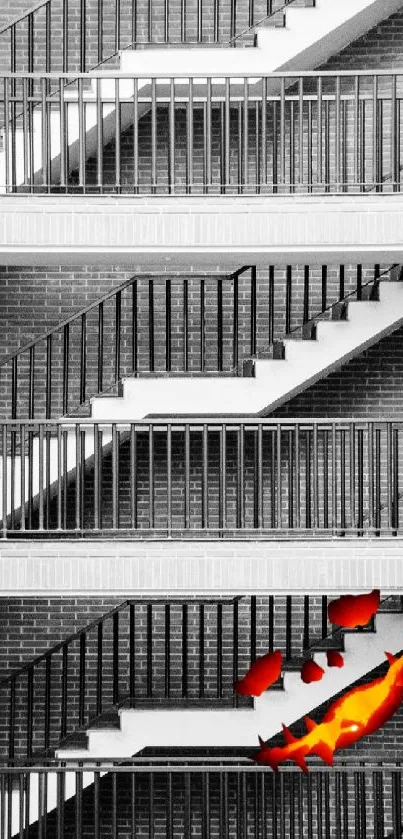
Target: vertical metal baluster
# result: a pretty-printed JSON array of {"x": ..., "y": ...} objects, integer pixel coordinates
[
  {"x": 235, "y": 647},
  {"x": 149, "y": 650},
  {"x": 153, "y": 137},
  {"x": 81, "y": 136},
  {"x": 279, "y": 481},
  {"x": 81, "y": 700},
  {"x": 115, "y": 630},
  {"x": 394, "y": 135},
  {"x": 324, "y": 287},
  {"x": 115, "y": 477},
  {"x": 202, "y": 326},
  {"x": 40, "y": 476},
  {"x": 100, "y": 31},
  {"x": 167, "y": 657},
  {"x": 168, "y": 324},
  {"x": 185, "y": 327},
  {"x": 259, "y": 478},
  {"x": 297, "y": 480},
  {"x": 169, "y": 478},
  {"x": 101, "y": 346},
  {"x": 151, "y": 476},
  {"x": 334, "y": 478},
  {"x": 235, "y": 318},
  {"x": 117, "y": 26},
  {"x": 352, "y": 476},
  {"x": 397, "y": 801},
  {"x": 360, "y": 470},
  {"x": 23, "y": 469},
  {"x": 306, "y": 294},
  {"x": 83, "y": 36},
  {"x": 288, "y": 627},
  {"x": 14, "y": 387},
  {"x": 308, "y": 502},
  {"x": 263, "y": 138},
  {"x": 219, "y": 652},
  {"x": 341, "y": 282},
  {"x": 253, "y": 311},
  {"x": 118, "y": 135},
  {"x": 223, "y": 479},
  {"x": 187, "y": 477},
  {"x": 227, "y": 130},
  {"x": 375, "y": 134},
  {"x": 99, "y": 688},
  {"x": 395, "y": 458},
  {"x": 389, "y": 475},
  {"x": 282, "y": 132},
  {"x": 219, "y": 326},
  {"x": 310, "y": 150},
  {"x": 190, "y": 138},
  {"x": 378, "y": 509},
  {"x": 66, "y": 350},
  {"x": 207, "y": 130},
  {"x": 65, "y": 35},
  {"x": 320, "y": 132},
  {"x": 132, "y": 653},
  {"x": 337, "y": 130},
  {"x": 11, "y": 723},
  {"x": 240, "y": 481},
  {"x": 315, "y": 478},
  {"x": 97, "y": 807},
  {"x": 133, "y": 476},
  {"x": 185, "y": 650},
  {"x": 171, "y": 136},
  {"x": 135, "y": 136},
  {"x": 288, "y": 293},
  {"x": 359, "y": 282},
  {"x": 271, "y": 304},
  {"x": 201, "y": 650},
  {"x": 205, "y": 484},
  {"x": 118, "y": 330},
  {"x": 356, "y": 131},
  {"x": 6, "y": 140},
  {"x": 290, "y": 478},
  {"x": 134, "y": 328},
  {"x": 25, "y": 132},
  {"x": 83, "y": 358},
  {"x": 31, "y": 397},
  {"x": 233, "y": 19},
  {"x": 245, "y": 133},
  {"x": 306, "y": 635},
  {"x": 151, "y": 336}
]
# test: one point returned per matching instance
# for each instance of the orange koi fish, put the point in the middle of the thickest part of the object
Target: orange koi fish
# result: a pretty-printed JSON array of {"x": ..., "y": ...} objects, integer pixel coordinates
[
  {"x": 263, "y": 673},
  {"x": 358, "y": 713},
  {"x": 311, "y": 672},
  {"x": 334, "y": 658},
  {"x": 352, "y": 610}
]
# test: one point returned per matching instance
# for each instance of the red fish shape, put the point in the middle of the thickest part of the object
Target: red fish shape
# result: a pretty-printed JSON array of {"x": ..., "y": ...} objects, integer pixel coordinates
[
  {"x": 263, "y": 673},
  {"x": 352, "y": 610},
  {"x": 311, "y": 672},
  {"x": 334, "y": 658},
  {"x": 360, "y": 712}
]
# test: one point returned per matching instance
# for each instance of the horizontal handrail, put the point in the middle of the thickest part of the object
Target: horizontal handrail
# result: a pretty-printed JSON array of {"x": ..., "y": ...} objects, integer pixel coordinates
[
  {"x": 187, "y": 764},
  {"x": 202, "y": 74},
  {"x": 251, "y": 421}
]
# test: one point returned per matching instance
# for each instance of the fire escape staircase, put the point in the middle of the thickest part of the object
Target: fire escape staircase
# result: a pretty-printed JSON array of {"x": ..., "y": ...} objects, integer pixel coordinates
[
  {"x": 126, "y": 725},
  {"x": 346, "y": 329},
  {"x": 293, "y": 46}
]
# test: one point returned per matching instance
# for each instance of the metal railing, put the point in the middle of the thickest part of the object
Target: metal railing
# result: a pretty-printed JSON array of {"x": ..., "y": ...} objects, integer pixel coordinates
[
  {"x": 170, "y": 324},
  {"x": 194, "y": 798},
  {"x": 150, "y": 653},
  {"x": 166, "y": 324},
  {"x": 326, "y": 132},
  {"x": 201, "y": 478},
  {"x": 74, "y": 35}
]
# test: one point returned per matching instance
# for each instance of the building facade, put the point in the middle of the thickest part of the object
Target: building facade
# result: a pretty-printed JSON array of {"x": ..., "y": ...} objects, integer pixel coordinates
[{"x": 201, "y": 369}]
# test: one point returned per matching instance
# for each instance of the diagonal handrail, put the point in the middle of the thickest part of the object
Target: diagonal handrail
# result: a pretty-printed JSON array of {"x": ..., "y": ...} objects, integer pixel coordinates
[{"x": 95, "y": 623}]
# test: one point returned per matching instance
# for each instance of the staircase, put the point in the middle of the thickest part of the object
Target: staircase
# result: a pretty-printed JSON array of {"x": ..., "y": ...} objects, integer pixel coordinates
[
  {"x": 354, "y": 326},
  {"x": 116, "y": 736},
  {"x": 137, "y": 730},
  {"x": 83, "y": 113}
]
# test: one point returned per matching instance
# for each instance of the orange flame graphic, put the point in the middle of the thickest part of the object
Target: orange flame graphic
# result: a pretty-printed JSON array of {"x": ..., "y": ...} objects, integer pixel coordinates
[{"x": 360, "y": 712}]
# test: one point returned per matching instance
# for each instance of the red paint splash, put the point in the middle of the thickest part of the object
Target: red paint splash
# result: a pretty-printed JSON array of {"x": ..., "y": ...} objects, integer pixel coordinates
[
  {"x": 334, "y": 658},
  {"x": 311, "y": 672},
  {"x": 354, "y": 610},
  {"x": 264, "y": 672},
  {"x": 358, "y": 713}
]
